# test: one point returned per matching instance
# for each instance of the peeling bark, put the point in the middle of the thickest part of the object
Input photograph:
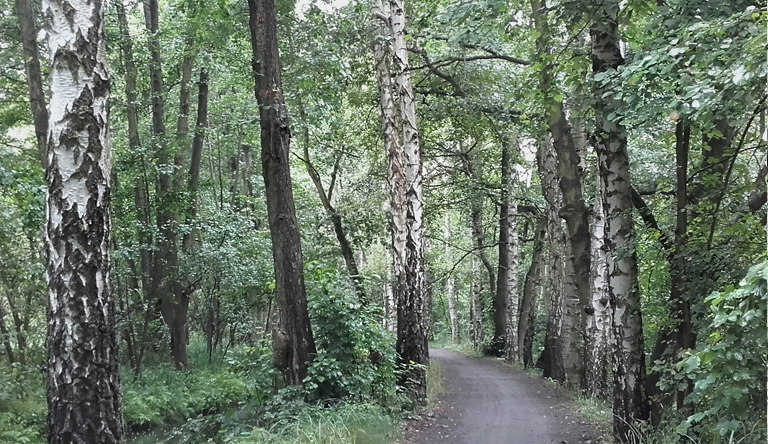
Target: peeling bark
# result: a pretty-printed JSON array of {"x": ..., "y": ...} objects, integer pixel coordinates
[
  {"x": 630, "y": 403},
  {"x": 392, "y": 146},
  {"x": 411, "y": 307},
  {"x": 83, "y": 377},
  {"x": 573, "y": 211},
  {"x": 552, "y": 360},
  {"x": 598, "y": 336}
]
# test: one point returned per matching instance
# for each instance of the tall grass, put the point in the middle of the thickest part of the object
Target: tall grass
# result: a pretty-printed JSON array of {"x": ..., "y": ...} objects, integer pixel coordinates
[
  {"x": 340, "y": 424},
  {"x": 466, "y": 348},
  {"x": 435, "y": 387}
]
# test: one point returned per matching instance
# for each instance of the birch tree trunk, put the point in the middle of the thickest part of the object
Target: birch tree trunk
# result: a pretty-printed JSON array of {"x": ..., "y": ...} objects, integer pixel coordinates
[
  {"x": 450, "y": 283},
  {"x": 293, "y": 342},
  {"x": 630, "y": 403},
  {"x": 573, "y": 211},
  {"x": 511, "y": 348},
  {"x": 392, "y": 146},
  {"x": 598, "y": 335},
  {"x": 411, "y": 307},
  {"x": 552, "y": 360},
  {"x": 526, "y": 330},
  {"x": 475, "y": 307},
  {"x": 83, "y": 387}
]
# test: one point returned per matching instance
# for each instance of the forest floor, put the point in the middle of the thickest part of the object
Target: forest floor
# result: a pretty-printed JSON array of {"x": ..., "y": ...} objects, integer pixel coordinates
[{"x": 486, "y": 401}]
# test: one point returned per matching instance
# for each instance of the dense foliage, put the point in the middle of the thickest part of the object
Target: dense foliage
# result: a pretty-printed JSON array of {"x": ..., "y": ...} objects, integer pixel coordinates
[{"x": 693, "y": 77}]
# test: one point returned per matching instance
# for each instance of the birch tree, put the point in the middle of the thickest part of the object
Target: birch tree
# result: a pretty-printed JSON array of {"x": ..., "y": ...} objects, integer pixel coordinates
[
  {"x": 411, "y": 310},
  {"x": 630, "y": 404},
  {"x": 83, "y": 377},
  {"x": 598, "y": 334},
  {"x": 551, "y": 359},
  {"x": 574, "y": 211},
  {"x": 450, "y": 283},
  {"x": 511, "y": 348}
]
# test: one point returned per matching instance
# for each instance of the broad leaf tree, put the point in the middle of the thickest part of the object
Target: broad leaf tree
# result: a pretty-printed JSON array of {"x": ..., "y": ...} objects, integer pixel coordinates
[{"x": 292, "y": 340}]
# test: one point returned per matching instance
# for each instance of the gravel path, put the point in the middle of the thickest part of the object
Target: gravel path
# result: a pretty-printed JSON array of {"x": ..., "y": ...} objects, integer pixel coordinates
[{"x": 489, "y": 402}]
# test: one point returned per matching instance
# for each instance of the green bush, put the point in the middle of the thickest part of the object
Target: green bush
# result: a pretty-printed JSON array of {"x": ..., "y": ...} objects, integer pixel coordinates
[
  {"x": 355, "y": 359},
  {"x": 728, "y": 370},
  {"x": 22, "y": 405}
]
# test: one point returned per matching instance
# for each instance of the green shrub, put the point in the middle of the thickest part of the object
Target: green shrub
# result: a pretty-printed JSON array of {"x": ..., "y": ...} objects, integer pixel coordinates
[
  {"x": 22, "y": 405},
  {"x": 355, "y": 357},
  {"x": 166, "y": 396},
  {"x": 728, "y": 369}
]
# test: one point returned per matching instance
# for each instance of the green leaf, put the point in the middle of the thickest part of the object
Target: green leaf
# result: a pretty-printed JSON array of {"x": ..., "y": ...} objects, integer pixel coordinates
[{"x": 692, "y": 363}]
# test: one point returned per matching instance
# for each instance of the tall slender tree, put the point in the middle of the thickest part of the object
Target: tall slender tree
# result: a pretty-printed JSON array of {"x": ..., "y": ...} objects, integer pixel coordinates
[
  {"x": 28, "y": 32},
  {"x": 293, "y": 343},
  {"x": 551, "y": 360},
  {"x": 525, "y": 328},
  {"x": 598, "y": 335},
  {"x": 630, "y": 403},
  {"x": 411, "y": 307},
  {"x": 574, "y": 210},
  {"x": 501, "y": 298},
  {"x": 83, "y": 377},
  {"x": 450, "y": 283}
]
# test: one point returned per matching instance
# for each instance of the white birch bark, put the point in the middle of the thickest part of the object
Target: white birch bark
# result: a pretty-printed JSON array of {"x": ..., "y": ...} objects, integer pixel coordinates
[
  {"x": 513, "y": 296},
  {"x": 411, "y": 310},
  {"x": 552, "y": 358},
  {"x": 392, "y": 146},
  {"x": 83, "y": 378},
  {"x": 598, "y": 333},
  {"x": 450, "y": 282},
  {"x": 475, "y": 309},
  {"x": 630, "y": 402}
]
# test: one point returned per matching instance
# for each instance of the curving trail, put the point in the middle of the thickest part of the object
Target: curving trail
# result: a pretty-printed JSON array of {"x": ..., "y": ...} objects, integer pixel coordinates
[{"x": 488, "y": 402}]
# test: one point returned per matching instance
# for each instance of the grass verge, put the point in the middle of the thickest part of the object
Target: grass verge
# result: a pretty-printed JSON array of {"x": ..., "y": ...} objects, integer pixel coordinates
[
  {"x": 435, "y": 388},
  {"x": 340, "y": 424}
]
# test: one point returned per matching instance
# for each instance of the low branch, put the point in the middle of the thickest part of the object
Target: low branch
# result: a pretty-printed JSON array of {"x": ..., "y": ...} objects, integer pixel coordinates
[{"x": 495, "y": 54}]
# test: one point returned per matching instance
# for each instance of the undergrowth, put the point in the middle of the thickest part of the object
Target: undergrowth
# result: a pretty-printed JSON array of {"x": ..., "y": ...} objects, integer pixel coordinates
[
  {"x": 460, "y": 347},
  {"x": 339, "y": 424},
  {"x": 435, "y": 387}
]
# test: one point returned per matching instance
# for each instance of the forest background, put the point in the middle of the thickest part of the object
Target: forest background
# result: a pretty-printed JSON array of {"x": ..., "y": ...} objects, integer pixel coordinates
[{"x": 515, "y": 120}]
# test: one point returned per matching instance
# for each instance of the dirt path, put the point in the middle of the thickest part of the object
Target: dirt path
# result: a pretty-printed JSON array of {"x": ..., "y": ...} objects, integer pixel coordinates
[{"x": 488, "y": 402}]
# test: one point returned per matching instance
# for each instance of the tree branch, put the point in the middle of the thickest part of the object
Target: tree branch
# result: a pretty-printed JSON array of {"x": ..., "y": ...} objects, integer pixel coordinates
[{"x": 650, "y": 221}]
